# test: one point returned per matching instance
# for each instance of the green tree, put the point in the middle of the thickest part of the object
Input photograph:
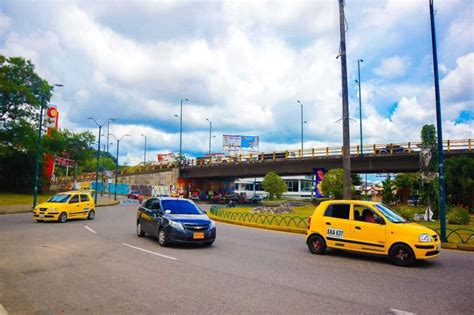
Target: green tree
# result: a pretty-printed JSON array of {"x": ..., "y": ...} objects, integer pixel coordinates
[
  {"x": 407, "y": 184},
  {"x": 460, "y": 181},
  {"x": 21, "y": 89},
  {"x": 387, "y": 193},
  {"x": 356, "y": 179},
  {"x": 274, "y": 185},
  {"x": 333, "y": 183},
  {"x": 430, "y": 191}
]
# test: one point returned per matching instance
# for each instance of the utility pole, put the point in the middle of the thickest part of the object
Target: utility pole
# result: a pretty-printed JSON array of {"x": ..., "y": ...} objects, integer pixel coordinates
[
  {"x": 346, "y": 157},
  {"x": 144, "y": 151},
  {"x": 302, "y": 122},
  {"x": 360, "y": 118},
  {"x": 442, "y": 185},
  {"x": 210, "y": 137}
]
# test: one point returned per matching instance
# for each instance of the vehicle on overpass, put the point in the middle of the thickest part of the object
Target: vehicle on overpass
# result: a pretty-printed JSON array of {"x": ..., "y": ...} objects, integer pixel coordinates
[
  {"x": 370, "y": 227},
  {"x": 174, "y": 220},
  {"x": 64, "y": 206}
]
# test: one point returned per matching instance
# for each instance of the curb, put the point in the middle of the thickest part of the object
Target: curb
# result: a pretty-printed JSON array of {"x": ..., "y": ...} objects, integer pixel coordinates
[
  {"x": 113, "y": 203},
  {"x": 453, "y": 246}
]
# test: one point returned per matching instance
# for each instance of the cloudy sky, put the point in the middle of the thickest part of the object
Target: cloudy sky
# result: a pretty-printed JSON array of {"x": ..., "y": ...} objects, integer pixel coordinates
[{"x": 244, "y": 65}]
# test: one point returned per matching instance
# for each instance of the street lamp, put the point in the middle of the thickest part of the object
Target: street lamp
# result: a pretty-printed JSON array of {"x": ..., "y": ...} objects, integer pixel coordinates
[
  {"x": 144, "y": 153},
  {"x": 108, "y": 127},
  {"x": 302, "y": 122},
  {"x": 210, "y": 137},
  {"x": 117, "y": 162},
  {"x": 360, "y": 118},
  {"x": 180, "y": 116},
  {"x": 38, "y": 148},
  {"x": 98, "y": 154}
]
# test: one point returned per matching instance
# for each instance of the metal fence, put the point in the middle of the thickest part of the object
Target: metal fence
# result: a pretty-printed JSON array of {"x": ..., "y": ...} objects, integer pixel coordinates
[
  {"x": 464, "y": 235},
  {"x": 294, "y": 222}
]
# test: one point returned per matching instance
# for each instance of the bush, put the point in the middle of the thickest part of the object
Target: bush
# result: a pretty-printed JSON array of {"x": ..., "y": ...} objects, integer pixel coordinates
[
  {"x": 458, "y": 215},
  {"x": 274, "y": 185},
  {"x": 408, "y": 212}
]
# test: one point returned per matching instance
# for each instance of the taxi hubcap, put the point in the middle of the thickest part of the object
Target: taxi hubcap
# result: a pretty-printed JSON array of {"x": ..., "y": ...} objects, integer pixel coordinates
[
  {"x": 402, "y": 255},
  {"x": 139, "y": 228},
  {"x": 316, "y": 245},
  {"x": 162, "y": 237}
]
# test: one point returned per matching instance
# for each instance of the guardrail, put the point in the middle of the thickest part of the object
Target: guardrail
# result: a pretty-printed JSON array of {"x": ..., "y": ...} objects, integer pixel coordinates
[
  {"x": 405, "y": 148},
  {"x": 294, "y": 222},
  {"x": 457, "y": 234}
]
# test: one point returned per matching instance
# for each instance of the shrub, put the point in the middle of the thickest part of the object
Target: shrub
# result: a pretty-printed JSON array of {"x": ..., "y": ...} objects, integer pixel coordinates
[
  {"x": 274, "y": 185},
  {"x": 272, "y": 203},
  {"x": 458, "y": 215},
  {"x": 408, "y": 212}
]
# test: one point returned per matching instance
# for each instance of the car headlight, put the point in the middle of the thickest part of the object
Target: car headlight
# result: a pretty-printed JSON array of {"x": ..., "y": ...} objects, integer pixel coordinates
[
  {"x": 212, "y": 225},
  {"x": 424, "y": 238},
  {"x": 176, "y": 225}
]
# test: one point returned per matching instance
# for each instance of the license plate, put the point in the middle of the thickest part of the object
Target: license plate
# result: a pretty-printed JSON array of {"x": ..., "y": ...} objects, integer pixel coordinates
[
  {"x": 41, "y": 215},
  {"x": 198, "y": 236}
]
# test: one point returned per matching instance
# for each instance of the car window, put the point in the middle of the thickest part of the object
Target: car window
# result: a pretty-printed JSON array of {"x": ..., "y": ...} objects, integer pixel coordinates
[
  {"x": 391, "y": 215},
  {"x": 364, "y": 214},
  {"x": 84, "y": 198},
  {"x": 74, "y": 199},
  {"x": 180, "y": 206},
  {"x": 155, "y": 205},
  {"x": 59, "y": 198},
  {"x": 340, "y": 211},
  {"x": 148, "y": 203}
]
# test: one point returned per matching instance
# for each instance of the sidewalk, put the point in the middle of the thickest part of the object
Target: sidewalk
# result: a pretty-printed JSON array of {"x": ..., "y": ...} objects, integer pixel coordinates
[{"x": 101, "y": 202}]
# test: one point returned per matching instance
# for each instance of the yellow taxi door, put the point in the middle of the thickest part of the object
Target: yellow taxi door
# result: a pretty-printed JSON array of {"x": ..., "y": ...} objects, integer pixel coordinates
[
  {"x": 86, "y": 204},
  {"x": 74, "y": 209},
  {"x": 367, "y": 230},
  {"x": 337, "y": 225}
]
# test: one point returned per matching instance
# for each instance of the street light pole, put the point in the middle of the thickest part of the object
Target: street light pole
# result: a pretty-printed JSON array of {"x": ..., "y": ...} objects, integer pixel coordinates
[
  {"x": 108, "y": 132},
  {"x": 117, "y": 162},
  {"x": 210, "y": 137},
  {"x": 360, "y": 118},
  {"x": 302, "y": 122},
  {"x": 442, "y": 184},
  {"x": 98, "y": 155},
  {"x": 346, "y": 157},
  {"x": 38, "y": 148},
  {"x": 144, "y": 153},
  {"x": 181, "y": 132}
]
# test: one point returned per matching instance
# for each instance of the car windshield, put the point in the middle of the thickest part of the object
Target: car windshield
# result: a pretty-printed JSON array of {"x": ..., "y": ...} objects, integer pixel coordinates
[
  {"x": 391, "y": 215},
  {"x": 60, "y": 198},
  {"x": 180, "y": 207}
]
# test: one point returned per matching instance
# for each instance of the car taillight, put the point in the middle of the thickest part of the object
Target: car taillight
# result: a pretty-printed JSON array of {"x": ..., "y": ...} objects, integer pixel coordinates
[{"x": 309, "y": 222}]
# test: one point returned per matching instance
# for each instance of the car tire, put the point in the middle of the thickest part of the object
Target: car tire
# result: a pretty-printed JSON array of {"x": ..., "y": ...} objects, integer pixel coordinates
[
  {"x": 62, "y": 217},
  {"x": 402, "y": 255},
  {"x": 140, "y": 232},
  {"x": 91, "y": 215},
  {"x": 316, "y": 244},
  {"x": 162, "y": 238}
]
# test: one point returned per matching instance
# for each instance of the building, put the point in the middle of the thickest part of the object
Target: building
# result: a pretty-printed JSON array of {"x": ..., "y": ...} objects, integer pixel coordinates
[{"x": 298, "y": 186}]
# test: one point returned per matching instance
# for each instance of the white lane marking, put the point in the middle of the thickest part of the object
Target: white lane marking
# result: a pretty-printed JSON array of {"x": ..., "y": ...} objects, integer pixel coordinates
[
  {"x": 400, "y": 312},
  {"x": 150, "y": 252},
  {"x": 3, "y": 311},
  {"x": 89, "y": 229}
]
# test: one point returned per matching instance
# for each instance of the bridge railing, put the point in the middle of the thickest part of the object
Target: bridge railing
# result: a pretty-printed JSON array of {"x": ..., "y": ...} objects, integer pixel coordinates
[{"x": 315, "y": 153}]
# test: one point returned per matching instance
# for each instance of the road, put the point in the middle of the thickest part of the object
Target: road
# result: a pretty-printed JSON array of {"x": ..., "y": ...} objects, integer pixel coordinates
[{"x": 101, "y": 266}]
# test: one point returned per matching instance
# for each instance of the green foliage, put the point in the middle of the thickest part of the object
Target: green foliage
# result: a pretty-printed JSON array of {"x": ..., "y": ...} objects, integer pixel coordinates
[
  {"x": 274, "y": 185},
  {"x": 387, "y": 193},
  {"x": 407, "y": 184},
  {"x": 460, "y": 181},
  {"x": 458, "y": 215},
  {"x": 428, "y": 135},
  {"x": 272, "y": 203},
  {"x": 21, "y": 89},
  {"x": 408, "y": 212},
  {"x": 333, "y": 183},
  {"x": 356, "y": 180},
  {"x": 430, "y": 197}
]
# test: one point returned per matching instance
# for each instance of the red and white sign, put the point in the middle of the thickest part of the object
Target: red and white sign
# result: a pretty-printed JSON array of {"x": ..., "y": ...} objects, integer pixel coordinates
[{"x": 64, "y": 161}]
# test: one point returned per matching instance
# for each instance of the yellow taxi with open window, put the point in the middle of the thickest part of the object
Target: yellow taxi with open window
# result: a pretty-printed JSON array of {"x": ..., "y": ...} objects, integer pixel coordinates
[
  {"x": 370, "y": 227},
  {"x": 66, "y": 205}
]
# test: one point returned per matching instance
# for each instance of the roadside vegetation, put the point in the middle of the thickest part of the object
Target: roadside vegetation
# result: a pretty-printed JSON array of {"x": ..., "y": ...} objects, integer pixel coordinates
[{"x": 7, "y": 199}]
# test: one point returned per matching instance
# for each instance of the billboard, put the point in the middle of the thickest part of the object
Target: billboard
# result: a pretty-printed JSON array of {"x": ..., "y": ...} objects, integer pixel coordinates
[
  {"x": 238, "y": 143},
  {"x": 319, "y": 172}
]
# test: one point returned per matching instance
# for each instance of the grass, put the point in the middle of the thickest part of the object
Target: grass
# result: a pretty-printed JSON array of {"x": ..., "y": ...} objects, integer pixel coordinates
[{"x": 10, "y": 199}]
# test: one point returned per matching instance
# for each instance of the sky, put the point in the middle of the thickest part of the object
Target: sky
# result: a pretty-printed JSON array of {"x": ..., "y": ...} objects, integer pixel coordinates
[{"x": 243, "y": 65}]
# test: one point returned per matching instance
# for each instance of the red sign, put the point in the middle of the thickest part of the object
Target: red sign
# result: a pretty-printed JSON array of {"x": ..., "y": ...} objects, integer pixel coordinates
[{"x": 64, "y": 162}]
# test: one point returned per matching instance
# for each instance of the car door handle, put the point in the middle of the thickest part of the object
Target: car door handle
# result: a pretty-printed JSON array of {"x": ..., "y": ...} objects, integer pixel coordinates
[
  {"x": 358, "y": 228},
  {"x": 327, "y": 223}
]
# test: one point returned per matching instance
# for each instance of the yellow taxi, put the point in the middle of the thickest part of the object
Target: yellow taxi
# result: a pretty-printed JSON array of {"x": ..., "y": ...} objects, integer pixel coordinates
[
  {"x": 66, "y": 205},
  {"x": 370, "y": 227}
]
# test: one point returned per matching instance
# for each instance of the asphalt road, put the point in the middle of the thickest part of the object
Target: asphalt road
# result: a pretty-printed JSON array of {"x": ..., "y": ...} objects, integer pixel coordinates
[{"x": 101, "y": 266}]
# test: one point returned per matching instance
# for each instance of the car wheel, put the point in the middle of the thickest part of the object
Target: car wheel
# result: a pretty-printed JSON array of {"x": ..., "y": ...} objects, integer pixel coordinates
[
  {"x": 162, "y": 238},
  {"x": 91, "y": 215},
  {"x": 140, "y": 232},
  {"x": 317, "y": 244},
  {"x": 402, "y": 255},
  {"x": 62, "y": 217}
]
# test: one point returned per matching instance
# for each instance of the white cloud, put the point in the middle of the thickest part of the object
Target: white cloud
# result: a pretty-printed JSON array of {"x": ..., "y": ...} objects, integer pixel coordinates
[{"x": 392, "y": 67}]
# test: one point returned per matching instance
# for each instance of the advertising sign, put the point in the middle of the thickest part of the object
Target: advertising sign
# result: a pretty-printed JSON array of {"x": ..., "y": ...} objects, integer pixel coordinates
[
  {"x": 237, "y": 143},
  {"x": 319, "y": 172}
]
